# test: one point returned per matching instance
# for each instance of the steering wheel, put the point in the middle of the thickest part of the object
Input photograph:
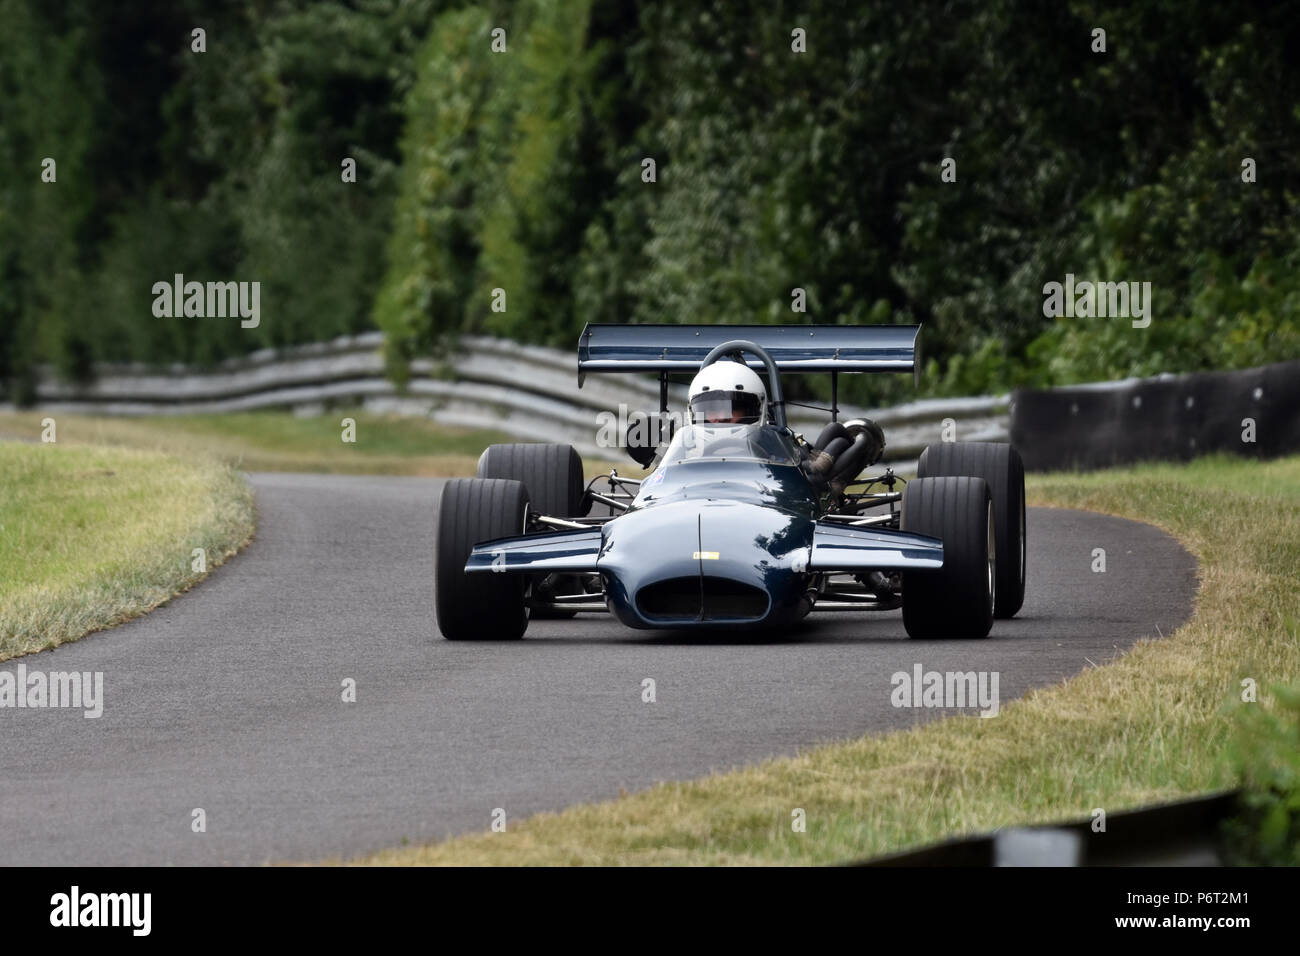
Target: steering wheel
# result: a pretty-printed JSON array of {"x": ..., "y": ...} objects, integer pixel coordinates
[{"x": 737, "y": 348}]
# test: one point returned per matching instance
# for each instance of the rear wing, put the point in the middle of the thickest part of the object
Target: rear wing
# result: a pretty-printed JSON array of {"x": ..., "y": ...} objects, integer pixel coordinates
[{"x": 795, "y": 348}]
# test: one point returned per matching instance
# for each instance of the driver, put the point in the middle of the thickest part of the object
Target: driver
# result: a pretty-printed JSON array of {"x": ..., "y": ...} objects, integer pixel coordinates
[{"x": 727, "y": 393}]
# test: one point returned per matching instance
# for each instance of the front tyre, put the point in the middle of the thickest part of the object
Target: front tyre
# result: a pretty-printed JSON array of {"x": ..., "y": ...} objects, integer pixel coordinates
[
  {"x": 956, "y": 600},
  {"x": 482, "y": 606}
]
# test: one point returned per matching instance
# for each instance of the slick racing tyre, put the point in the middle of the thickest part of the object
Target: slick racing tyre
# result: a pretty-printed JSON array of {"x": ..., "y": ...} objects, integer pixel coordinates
[
  {"x": 553, "y": 476},
  {"x": 482, "y": 606},
  {"x": 956, "y": 600},
  {"x": 551, "y": 473},
  {"x": 1000, "y": 466}
]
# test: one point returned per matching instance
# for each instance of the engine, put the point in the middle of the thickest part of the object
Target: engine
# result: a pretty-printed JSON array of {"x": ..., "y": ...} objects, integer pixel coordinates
[{"x": 841, "y": 451}]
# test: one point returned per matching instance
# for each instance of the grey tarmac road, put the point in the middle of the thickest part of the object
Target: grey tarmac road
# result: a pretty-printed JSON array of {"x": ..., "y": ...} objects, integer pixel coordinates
[{"x": 229, "y": 698}]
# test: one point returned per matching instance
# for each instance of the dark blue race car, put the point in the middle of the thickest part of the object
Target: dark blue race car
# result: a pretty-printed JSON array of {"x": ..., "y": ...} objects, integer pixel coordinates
[{"x": 741, "y": 522}]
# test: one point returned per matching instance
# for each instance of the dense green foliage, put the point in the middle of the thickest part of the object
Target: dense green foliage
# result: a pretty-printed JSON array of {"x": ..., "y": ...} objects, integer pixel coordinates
[
  {"x": 223, "y": 166},
  {"x": 1266, "y": 755},
  {"x": 522, "y": 171}
]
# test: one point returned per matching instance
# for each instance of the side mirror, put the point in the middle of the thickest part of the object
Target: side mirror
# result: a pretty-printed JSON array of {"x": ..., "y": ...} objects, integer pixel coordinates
[
  {"x": 644, "y": 434},
  {"x": 642, "y": 455},
  {"x": 640, "y": 448}
]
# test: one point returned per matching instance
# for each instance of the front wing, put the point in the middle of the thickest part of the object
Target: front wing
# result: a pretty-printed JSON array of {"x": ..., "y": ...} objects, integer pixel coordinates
[
  {"x": 835, "y": 548},
  {"x": 839, "y": 547},
  {"x": 569, "y": 551}
]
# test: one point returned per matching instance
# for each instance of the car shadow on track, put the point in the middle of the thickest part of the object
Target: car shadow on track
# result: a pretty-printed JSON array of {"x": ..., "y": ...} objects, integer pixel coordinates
[
  {"x": 840, "y": 630},
  {"x": 807, "y": 632}
]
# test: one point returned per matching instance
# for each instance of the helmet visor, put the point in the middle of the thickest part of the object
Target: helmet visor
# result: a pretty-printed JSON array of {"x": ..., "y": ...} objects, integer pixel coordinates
[{"x": 718, "y": 407}]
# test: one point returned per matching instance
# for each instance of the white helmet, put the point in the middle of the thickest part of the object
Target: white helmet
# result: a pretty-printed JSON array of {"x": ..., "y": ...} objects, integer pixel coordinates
[{"x": 727, "y": 393}]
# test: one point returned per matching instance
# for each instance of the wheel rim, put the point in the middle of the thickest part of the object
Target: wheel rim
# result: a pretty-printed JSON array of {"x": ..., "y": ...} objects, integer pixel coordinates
[
  {"x": 1023, "y": 546},
  {"x": 528, "y": 579},
  {"x": 992, "y": 562}
]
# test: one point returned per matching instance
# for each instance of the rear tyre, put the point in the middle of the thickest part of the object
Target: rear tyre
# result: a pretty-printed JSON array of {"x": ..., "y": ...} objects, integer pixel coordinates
[
  {"x": 1000, "y": 466},
  {"x": 482, "y": 606},
  {"x": 956, "y": 600},
  {"x": 551, "y": 473},
  {"x": 553, "y": 476}
]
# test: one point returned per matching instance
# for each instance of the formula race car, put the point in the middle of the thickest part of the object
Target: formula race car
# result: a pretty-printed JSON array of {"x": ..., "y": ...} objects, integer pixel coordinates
[{"x": 741, "y": 522}]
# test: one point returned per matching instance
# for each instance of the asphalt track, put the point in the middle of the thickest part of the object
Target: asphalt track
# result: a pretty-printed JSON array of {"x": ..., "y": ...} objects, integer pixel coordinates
[{"x": 229, "y": 698}]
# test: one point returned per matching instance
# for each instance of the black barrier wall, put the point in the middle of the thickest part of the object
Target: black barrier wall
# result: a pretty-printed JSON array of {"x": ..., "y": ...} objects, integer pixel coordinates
[{"x": 1169, "y": 419}]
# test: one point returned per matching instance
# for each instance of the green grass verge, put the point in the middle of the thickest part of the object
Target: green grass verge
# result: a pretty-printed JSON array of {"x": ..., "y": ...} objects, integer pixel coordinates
[
  {"x": 91, "y": 537},
  {"x": 1153, "y": 725},
  {"x": 281, "y": 441}
]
